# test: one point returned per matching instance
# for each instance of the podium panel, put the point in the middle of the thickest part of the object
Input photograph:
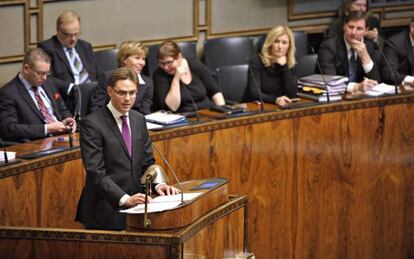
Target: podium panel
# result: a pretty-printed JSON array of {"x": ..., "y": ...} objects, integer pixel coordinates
[{"x": 218, "y": 234}]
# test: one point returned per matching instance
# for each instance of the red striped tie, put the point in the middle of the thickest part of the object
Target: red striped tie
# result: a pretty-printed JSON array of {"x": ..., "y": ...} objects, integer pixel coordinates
[{"x": 42, "y": 107}]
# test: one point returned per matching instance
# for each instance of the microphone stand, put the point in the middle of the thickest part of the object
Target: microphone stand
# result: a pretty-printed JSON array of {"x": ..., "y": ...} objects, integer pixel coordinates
[
  {"x": 322, "y": 74},
  {"x": 6, "y": 159},
  {"x": 147, "y": 221},
  {"x": 256, "y": 85},
  {"x": 78, "y": 106},
  {"x": 70, "y": 135},
  {"x": 172, "y": 171},
  {"x": 389, "y": 67},
  {"x": 193, "y": 102}
]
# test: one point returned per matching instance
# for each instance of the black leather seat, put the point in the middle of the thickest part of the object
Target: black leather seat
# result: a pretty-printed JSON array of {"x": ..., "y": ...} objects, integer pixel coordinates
[
  {"x": 106, "y": 59},
  {"x": 306, "y": 65},
  {"x": 233, "y": 82},
  {"x": 227, "y": 51},
  {"x": 81, "y": 101}
]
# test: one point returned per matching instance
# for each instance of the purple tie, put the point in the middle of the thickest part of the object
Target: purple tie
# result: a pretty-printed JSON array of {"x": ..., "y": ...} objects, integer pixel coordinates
[{"x": 126, "y": 135}]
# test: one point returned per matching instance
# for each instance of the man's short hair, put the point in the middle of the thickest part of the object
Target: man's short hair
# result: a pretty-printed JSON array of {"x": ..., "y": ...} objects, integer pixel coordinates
[
  {"x": 356, "y": 16},
  {"x": 123, "y": 73},
  {"x": 36, "y": 54},
  {"x": 66, "y": 17}
]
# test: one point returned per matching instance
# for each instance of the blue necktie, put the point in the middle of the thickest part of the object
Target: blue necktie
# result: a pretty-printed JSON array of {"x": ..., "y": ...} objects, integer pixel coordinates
[{"x": 352, "y": 67}]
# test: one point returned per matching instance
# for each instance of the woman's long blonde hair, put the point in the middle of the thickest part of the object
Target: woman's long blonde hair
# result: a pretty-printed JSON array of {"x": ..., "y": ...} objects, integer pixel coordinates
[{"x": 272, "y": 35}]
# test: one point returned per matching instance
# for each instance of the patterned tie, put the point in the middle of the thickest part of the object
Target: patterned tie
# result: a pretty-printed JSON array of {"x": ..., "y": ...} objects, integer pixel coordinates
[
  {"x": 352, "y": 67},
  {"x": 48, "y": 118},
  {"x": 83, "y": 74},
  {"x": 126, "y": 135}
]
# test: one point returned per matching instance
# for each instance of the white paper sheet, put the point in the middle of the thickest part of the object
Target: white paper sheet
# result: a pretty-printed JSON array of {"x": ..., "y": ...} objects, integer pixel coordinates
[{"x": 162, "y": 203}]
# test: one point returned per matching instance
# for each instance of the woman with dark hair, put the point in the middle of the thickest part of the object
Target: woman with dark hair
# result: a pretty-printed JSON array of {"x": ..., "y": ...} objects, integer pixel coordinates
[
  {"x": 178, "y": 82},
  {"x": 374, "y": 28}
]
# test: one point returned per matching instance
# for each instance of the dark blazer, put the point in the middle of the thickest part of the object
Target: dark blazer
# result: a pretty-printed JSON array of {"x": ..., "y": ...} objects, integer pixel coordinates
[
  {"x": 336, "y": 28},
  {"x": 110, "y": 172},
  {"x": 399, "y": 53},
  {"x": 143, "y": 102},
  {"x": 62, "y": 74},
  {"x": 272, "y": 82},
  {"x": 20, "y": 119},
  {"x": 333, "y": 59}
]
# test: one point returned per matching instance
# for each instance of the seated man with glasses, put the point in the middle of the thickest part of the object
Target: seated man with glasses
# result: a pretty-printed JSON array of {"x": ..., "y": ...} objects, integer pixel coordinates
[
  {"x": 73, "y": 60},
  {"x": 30, "y": 106}
]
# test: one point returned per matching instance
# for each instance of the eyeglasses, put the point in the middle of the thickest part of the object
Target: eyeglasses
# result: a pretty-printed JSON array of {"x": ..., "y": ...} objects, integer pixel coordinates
[
  {"x": 40, "y": 73},
  {"x": 124, "y": 94},
  {"x": 70, "y": 35},
  {"x": 166, "y": 63}
]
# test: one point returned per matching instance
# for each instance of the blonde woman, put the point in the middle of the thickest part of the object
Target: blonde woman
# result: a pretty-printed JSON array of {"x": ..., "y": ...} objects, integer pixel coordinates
[
  {"x": 272, "y": 70},
  {"x": 131, "y": 54}
]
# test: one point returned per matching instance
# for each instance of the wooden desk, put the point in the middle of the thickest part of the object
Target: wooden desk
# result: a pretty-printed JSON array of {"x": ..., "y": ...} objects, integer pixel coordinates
[{"x": 330, "y": 181}]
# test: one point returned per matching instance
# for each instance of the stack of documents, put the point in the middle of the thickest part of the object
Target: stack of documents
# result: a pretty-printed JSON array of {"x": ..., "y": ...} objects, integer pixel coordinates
[
  {"x": 165, "y": 118},
  {"x": 317, "y": 87}
]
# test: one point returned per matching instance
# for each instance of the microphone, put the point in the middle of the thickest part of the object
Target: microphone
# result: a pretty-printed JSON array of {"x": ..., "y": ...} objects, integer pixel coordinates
[
  {"x": 6, "y": 159},
  {"x": 322, "y": 74},
  {"x": 255, "y": 84},
  {"x": 78, "y": 107},
  {"x": 394, "y": 78},
  {"x": 172, "y": 171},
  {"x": 192, "y": 101}
]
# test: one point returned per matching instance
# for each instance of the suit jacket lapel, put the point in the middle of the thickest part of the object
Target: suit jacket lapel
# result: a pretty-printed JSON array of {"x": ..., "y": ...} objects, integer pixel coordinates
[
  {"x": 82, "y": 56},
  {"x": 28, "y": 99},
  {"x": 114, "y": 127},
  {"x": 61, "y": 54},
  {"x": 343, "y": 55},
  {"x": 409, "y": 51},
  {"x": 50, "y": 95}
]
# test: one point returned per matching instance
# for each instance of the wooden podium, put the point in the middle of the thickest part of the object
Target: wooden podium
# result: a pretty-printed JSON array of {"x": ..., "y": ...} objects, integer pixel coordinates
[
  {"x": 213, "y": 225},
  {"x": 214, "y": 193}
]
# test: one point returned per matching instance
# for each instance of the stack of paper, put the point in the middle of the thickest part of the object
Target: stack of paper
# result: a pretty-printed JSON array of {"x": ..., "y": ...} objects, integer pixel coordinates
[
  {"x": 381, "y": 89},
  {"x": 165, "y": 118},
  {"x": 162, "y": 203},
  {"x": 317, "y": 87}
]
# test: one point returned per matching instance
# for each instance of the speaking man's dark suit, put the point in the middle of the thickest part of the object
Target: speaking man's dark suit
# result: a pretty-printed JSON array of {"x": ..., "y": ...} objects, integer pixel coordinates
[
  {"x": 111, "y": 173},
  {"x": 333, "y": 59},
  {"x": 399, "y": 53},
  {"x": 20, "y": 119},
  {"x": 143, "y": 101},
  {"x": 62, "y": 73}
]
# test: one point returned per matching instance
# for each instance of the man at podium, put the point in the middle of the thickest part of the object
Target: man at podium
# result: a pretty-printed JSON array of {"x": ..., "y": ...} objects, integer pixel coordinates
[{"x": 116, "y": 150}]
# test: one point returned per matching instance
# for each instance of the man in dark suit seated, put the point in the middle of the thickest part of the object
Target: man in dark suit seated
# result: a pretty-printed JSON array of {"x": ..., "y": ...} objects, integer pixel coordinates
[
  {"x": 352, "y": 55},
  {"x": 399, "y": 52},
  {"x": 30, "y": 106},
  {"x": 73, "y": 60},
  {"x": 116, "y": 150}
]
